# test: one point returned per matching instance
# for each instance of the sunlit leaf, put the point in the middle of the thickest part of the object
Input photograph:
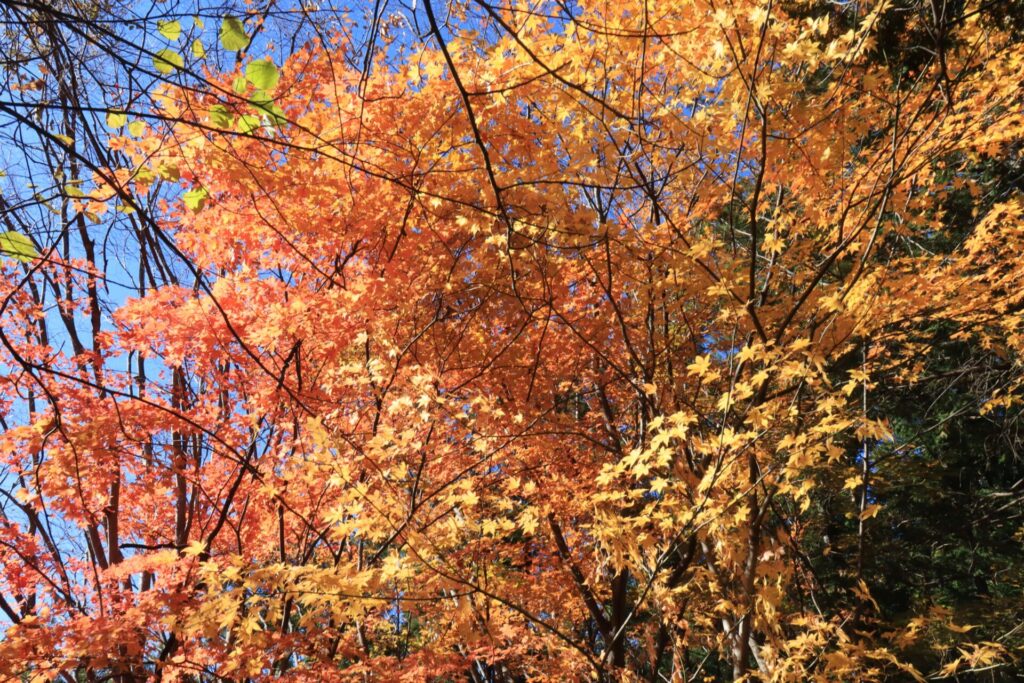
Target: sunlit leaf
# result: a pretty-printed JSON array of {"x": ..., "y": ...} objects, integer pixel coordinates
[
  {"x": 220, "y": 116},
  {"x": 248, "y": 123},
  {"x": 232, "y": 34},
  {"x": 169, "y": 171},
  {"x": 171, "y": 30},
  {"x": 136, "y": 128},
  {"x": 167, "y": 60},
  {"x": 195, "y": 199},
  {"x": 262, "y": 73},
  {"x": 116, "y": 119},
  {"x": 15, "y": 245}
]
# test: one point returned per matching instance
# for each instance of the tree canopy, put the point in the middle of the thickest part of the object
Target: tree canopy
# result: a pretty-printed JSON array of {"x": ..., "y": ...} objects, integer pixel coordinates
[{"x": 506, "y": 341}]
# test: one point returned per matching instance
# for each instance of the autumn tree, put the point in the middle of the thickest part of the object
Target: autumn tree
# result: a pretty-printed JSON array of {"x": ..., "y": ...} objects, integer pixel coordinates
[{"x": 526, "y": 341}]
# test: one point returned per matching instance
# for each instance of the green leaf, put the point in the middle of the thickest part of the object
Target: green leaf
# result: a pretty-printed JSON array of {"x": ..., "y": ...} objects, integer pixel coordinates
[
  {"x": 248, "y": 123},
  {"x": 266, "y": 105},
  {"x": 232, "y": 34},
  {"x": 171, "y": 30},
  {"x": 196, "y": 199},
  {"x": 168, "y": 171},
  {"x": 67, "y": 140},
  {"x": 72, "y": 191},
  {"x": 276, "y": 115},
  {"x": 143, "y": 175},
  {"x": 220, "y": 116},
  {"x": 198, "y": 51},
  {"x": 116, "y": 119},
  {"x": 17, "y": 246},
  {"x": 262, "y": 73},
  {"x": 239, "y": 85},
  {"x": 136, "y": 128},
  {"x": 167, "y": 60}
]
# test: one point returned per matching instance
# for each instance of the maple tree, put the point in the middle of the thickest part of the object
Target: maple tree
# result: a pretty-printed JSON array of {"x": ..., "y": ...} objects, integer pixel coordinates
[{"x": 526, "y": 341}]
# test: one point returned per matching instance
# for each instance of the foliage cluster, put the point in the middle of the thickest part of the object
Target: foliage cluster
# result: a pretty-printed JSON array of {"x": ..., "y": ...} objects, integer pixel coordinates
[{"x": 610, "y": 340}]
